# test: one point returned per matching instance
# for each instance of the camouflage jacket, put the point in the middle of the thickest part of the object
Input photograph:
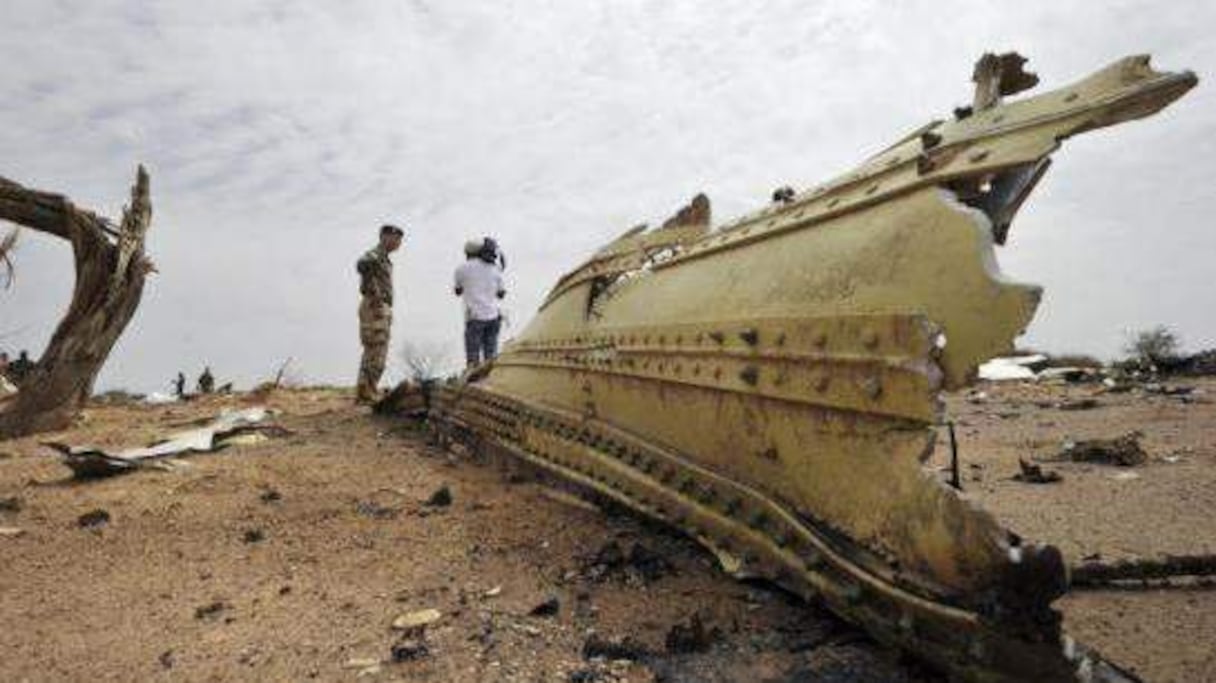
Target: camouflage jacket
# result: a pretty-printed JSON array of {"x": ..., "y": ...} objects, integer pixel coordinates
[{"x": 376, "y": 275}]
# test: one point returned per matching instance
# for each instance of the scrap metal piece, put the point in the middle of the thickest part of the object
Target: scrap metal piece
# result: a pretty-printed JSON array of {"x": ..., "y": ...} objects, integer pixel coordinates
[
  {"x": 770, "y": 387},
  {"x": 996, "y": 76},
  {"x": 1140, "y": 571},
  {"x": 229, "y": 429},
  {"x": 636, "y": 250}
]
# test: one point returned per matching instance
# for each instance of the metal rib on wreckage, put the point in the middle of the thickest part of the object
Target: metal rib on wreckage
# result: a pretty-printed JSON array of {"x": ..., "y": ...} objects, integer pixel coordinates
[{"x": 770, "y": 387}]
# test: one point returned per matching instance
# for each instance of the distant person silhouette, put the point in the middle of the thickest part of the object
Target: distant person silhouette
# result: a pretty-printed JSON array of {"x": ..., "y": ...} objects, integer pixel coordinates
[
  {"x": 206, "y": 381},
  {"x": 21, "y": 368}
]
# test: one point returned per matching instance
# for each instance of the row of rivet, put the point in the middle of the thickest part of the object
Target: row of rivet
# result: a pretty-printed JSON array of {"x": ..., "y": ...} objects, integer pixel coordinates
[
  {"x": 753, "y": 515},
  {"x": 668, "y": 474},
  {"x": 776, "y": 217},
  {"x": 742, "y": 227},
  {"x": 871, "y": 386},
  {"x": 869, "y": 337},
  {"x": 673, "y": 477}
]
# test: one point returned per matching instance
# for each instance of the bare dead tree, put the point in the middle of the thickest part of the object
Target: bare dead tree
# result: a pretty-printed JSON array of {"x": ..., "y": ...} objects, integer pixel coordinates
[
  {"x": 282, "y": 372},
  {"x": 110, "y": 271}
]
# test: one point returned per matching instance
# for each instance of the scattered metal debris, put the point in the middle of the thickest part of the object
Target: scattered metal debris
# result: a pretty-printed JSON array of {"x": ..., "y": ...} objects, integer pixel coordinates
[
  {"x": 442, "y": 497},
  {"x": 1124, "y": 451},
  {"x": 94, "y": 519},
  {"x": 230, "y": 428},
  {"x": 1168, "y": 389},
  {"x": 615, "y": 648},
  {"x": 549, "y": 607},
  {"x": 211, "y": 610},
  {"x": 1035, "y": 474},
  {"x": 409, "y": 650},
  {"x": 1037, "y": 368},
  {"x": 1011, "y": 368},
  {"x": 1071, "y": 375},
  {"x": 407, "y": 399},
  {"x": 1093, "y": 573}
]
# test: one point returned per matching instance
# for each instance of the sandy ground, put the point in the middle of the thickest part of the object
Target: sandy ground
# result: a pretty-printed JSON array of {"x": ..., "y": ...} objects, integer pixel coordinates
[
  {"x": 290, "y": 560},
  {"x": 1165, "y": 507}
]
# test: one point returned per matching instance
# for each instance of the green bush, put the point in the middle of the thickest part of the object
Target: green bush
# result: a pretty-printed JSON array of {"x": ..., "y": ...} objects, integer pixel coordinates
[{"x": 1158, "y": 346}]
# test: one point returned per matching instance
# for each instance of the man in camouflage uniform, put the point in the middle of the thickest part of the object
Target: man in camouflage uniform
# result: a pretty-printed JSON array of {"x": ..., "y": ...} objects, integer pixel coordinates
[{"x": 375, "y": 310}]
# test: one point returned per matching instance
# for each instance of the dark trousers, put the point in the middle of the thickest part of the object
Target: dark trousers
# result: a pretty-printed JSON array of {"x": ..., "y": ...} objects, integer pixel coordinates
[{"x": 481, "y": 340}]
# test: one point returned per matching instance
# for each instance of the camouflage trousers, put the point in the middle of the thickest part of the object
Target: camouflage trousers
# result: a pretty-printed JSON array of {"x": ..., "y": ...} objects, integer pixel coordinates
[{"x": 375, "y": 319}]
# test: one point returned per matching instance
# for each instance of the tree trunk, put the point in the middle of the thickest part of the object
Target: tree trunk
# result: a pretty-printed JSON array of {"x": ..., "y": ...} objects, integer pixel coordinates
[{"x": 110, "y": 272}]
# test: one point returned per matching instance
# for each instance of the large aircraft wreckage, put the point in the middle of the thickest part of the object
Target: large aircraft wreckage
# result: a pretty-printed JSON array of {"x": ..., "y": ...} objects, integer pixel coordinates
[{"x": 771, "y": 387}]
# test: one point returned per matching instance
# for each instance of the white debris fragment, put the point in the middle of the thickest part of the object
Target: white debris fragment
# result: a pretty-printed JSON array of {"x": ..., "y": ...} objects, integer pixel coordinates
[
  {"x": 1011, "y": 368},
  {"x": 231, "y": 427}
]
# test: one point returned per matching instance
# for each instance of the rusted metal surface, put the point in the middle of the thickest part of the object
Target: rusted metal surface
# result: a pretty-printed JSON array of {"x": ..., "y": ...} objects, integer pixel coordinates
[{"x": 769, "y": 387}]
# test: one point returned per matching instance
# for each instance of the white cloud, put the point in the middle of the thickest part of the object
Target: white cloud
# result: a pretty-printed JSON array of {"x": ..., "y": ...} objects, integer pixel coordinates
[{"x": 280, "y": 135}]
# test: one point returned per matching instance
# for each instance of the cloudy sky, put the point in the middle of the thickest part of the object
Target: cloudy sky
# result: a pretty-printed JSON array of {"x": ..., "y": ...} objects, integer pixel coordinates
[{"x": 280, "y": 134}]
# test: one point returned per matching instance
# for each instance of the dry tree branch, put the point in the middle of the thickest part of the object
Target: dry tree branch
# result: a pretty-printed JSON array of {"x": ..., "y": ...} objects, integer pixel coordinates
[
  {"x": 282, "y": 372},
  {"x": 110, "y": 271},
  {"x": 7, "y": 247},
  {"x": 424, "y": 361}
]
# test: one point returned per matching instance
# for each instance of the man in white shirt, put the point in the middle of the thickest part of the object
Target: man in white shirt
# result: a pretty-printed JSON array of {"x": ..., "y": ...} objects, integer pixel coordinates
[{"x": 479, "y": 283}]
